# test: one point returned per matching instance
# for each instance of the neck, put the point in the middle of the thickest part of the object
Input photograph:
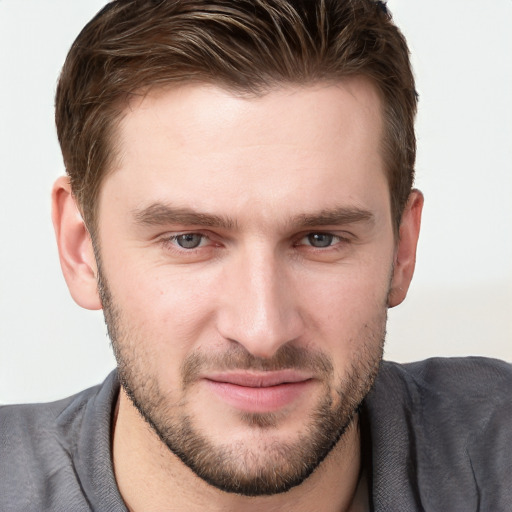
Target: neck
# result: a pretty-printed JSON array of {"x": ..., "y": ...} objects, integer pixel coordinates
[{"x": 151, "y": 477}]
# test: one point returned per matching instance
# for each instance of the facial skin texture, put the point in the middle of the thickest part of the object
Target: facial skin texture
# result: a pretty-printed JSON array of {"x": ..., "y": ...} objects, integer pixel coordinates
[{"x": 250, "y": 353}]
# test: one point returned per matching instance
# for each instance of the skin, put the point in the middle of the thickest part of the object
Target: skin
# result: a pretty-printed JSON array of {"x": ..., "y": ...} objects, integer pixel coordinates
[{"x": 269, "y": 168}]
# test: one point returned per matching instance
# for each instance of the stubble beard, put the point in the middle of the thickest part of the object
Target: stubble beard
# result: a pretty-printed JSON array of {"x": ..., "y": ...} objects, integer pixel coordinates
[{"x": 251, "y": 469}]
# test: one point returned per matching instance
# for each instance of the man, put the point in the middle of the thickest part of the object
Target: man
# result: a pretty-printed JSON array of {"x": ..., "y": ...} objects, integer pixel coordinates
[{"x": 239, "y": 203}]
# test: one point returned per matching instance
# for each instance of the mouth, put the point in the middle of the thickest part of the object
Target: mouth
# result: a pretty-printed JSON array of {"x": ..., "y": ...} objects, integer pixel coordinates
[{"x": 259, "y": 392}]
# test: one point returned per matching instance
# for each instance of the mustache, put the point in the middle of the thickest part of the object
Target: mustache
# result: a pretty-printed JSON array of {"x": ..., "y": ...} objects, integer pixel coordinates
[{"x": 239, "y": 358}]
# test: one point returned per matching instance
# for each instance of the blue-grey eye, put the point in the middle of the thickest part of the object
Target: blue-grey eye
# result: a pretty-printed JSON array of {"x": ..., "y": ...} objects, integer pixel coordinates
[
  {"x": 189, "y": 240},
  {"x": 320, "y": 239}
]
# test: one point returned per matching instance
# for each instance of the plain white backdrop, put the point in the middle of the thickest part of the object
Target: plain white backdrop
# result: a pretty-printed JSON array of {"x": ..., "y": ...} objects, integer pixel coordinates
[{"x": 460, "y": 302}]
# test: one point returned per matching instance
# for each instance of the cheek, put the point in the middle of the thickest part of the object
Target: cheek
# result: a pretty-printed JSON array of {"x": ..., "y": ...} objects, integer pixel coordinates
[
  {"x": 346, "y": 306},
  {"x": 168, "y": 309}
]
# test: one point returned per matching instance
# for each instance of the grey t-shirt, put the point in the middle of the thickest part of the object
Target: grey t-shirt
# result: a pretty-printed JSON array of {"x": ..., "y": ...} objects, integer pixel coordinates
[{"x": 436, "y": 436}]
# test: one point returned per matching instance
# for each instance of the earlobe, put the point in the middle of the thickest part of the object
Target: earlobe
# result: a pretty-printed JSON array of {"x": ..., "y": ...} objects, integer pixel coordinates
[
  {"x": 405, "y": 255},
  {"x": 75, "y": 247}
]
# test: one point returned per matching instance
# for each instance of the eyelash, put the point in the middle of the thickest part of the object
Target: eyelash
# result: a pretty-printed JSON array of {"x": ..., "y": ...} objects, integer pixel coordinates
[
  {"x": 171, "y": 241},
  {"x": 334, "y": 242}
]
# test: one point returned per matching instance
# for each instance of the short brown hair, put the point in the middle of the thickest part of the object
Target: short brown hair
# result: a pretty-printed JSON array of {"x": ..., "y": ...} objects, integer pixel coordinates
[{"x": 246, "y": 45}]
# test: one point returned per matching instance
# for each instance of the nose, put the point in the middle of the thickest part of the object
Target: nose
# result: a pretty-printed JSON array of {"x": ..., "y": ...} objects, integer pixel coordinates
[{"x": 259, "y": 306}]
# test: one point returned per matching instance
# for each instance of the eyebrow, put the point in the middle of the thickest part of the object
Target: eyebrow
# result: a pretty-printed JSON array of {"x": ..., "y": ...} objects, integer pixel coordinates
[
  {"x": 159, "y": 214},
  {"x": 335, "y": 217}
]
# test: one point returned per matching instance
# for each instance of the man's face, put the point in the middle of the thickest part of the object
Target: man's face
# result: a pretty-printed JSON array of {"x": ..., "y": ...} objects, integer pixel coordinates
[{"x": 246, "y": 250}]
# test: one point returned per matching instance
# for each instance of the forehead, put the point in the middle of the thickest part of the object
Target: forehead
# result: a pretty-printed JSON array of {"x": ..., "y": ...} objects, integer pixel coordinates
[
  {"x": 201, "y": 144},
  {"x": 211, "y": 112}
]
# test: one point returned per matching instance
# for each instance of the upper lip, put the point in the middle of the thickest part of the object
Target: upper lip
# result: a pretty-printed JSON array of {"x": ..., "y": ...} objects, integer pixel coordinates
[{"x": 258, "y": 379}]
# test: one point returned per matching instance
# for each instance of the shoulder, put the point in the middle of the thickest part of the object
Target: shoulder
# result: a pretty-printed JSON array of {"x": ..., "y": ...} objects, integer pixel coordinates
[
  {"x": 467, "y": 380},
  {"x": 468, "y": 395},
  {"x": 43, "y": 413},
  {"x": 48, "y": 422},
  {"x": 460, "y": 374},
  {"x": 450, "y": 419},
  {"x": 38, "y": 448}
]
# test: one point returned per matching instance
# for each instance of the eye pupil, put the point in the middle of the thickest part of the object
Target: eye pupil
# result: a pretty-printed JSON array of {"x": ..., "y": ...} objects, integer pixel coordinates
[
  {"x": 189, "y": 240},
  {"x": 320, "y": 239}
]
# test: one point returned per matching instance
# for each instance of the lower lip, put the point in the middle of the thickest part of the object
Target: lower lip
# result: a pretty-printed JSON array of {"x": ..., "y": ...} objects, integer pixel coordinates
[{"x": 259, "y": 400}]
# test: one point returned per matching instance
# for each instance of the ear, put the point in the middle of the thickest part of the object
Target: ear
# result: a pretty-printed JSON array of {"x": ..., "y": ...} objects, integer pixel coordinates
[
  {"x": 75, "y": 247},
  {"x": 405, "y": 254}
]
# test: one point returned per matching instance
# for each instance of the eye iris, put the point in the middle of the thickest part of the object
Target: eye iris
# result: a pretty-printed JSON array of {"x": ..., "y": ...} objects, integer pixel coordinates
[
  {"x": 320, "y": 239},
  {"x": 189, "y": 240}
]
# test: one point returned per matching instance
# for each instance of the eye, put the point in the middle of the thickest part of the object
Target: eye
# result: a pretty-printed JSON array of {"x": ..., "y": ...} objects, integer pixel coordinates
[
  {"x": 320, "y": 240},
  {"x": 188, "y": 240}
]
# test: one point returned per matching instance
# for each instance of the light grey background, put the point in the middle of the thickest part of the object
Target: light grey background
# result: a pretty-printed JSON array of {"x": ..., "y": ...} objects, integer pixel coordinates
[{"x": 461, "y": 299}]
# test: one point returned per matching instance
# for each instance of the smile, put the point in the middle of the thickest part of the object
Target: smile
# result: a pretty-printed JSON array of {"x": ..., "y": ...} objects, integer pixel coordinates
[{"x": 261, "y": 392}]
